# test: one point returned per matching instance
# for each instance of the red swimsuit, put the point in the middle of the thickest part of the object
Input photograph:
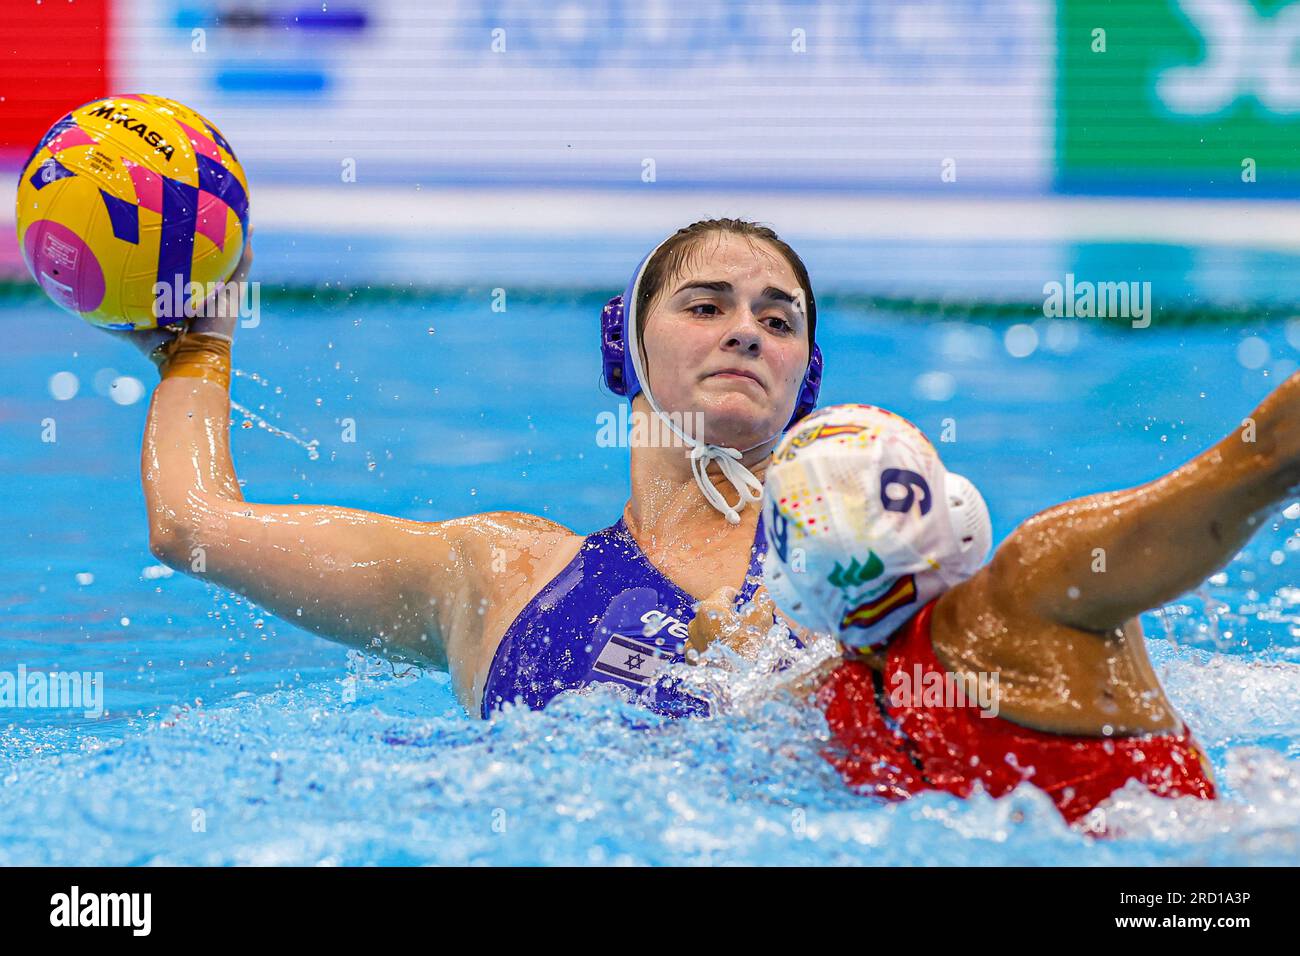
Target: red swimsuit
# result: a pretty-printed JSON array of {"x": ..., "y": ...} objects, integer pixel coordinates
[{"x": 897, "y": 751}]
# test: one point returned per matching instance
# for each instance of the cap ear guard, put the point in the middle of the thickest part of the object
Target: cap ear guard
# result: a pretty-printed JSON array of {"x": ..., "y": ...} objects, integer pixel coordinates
[
  {"x": 811, "y": 385},
  {"x": 619, "y": 363},
  {"x": 970, "y": 520},
  {"x": 620, "y": 376},
  {"x": 809, "y": 615}
]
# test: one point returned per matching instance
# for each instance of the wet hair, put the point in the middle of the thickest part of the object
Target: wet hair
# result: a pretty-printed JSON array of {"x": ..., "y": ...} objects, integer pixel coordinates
[{"x": 672, "y": 255}]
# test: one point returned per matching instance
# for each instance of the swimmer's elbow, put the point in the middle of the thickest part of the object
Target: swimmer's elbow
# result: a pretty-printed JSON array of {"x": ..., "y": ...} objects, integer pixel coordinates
[
  {"x": 1005, "y": 575},
  {"x": 164, "y": 546},
  {"x": 1011, "y": 585},
  {"x": 172, "y": 536}
]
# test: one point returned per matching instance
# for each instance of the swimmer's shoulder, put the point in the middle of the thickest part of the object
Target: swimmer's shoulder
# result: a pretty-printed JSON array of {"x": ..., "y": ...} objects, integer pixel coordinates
[
  {"x": 510, "y": 524},
  {"x": 509, "y": 556},
  {"x": 514, "y": 543}
]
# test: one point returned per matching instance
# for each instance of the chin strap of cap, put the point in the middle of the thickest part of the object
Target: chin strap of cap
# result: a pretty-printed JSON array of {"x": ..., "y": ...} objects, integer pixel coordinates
[{"x": 741, "y": 478}]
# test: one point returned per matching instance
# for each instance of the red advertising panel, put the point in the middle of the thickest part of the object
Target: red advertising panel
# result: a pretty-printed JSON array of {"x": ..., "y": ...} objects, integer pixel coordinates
[{"x": 53, "y": 57}]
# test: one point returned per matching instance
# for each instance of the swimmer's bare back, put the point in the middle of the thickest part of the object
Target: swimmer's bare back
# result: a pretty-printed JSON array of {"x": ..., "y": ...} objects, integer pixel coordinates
[{"x": 1055, "y": 611}]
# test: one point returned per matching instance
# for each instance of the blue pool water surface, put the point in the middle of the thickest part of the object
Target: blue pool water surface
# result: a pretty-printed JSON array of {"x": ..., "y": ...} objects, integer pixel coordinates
[{"x": 234, "y": 737}]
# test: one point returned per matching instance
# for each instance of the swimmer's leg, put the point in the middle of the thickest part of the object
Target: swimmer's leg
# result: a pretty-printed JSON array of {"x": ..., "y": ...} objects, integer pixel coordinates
[{"x": 1094, "y": 563}]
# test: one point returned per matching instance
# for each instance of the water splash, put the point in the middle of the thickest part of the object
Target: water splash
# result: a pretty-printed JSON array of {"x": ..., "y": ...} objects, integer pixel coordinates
[
  {"x": 252, "y": 418},
  {"x": 393, "y": 771}
]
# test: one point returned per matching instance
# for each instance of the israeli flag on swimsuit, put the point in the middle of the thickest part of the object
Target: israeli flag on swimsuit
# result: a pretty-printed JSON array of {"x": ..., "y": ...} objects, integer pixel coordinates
[
  {"x": 641, "y": 640},
  {"x": 626, "y": 660},
  {"x": 630, "y": 654}
]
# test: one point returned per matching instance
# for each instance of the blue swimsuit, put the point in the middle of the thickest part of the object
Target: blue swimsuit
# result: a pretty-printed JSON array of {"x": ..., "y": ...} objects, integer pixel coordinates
[{"x": 610, "y": 615}]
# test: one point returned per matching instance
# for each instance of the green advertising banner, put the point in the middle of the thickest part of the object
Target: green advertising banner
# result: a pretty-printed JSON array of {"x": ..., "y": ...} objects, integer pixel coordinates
[{"x": 1183, "y": 97}]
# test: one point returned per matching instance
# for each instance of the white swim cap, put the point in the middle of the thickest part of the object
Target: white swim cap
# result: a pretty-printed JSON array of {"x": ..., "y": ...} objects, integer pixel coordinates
[{"x": 858, "y": 542}]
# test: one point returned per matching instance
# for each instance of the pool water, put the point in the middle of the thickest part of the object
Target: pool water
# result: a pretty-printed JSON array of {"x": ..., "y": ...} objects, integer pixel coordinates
[{"x": 232, "y": 737}]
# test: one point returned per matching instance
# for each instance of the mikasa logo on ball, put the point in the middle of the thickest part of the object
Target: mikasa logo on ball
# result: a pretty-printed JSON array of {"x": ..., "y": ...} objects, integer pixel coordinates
[{"x": 139, "y": 127}]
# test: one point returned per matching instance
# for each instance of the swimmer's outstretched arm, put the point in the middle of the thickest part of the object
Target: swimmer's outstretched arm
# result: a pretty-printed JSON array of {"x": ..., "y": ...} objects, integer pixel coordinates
[
  {"x": 1156, "y": 541},
  {"x": 409, "y": 589}
]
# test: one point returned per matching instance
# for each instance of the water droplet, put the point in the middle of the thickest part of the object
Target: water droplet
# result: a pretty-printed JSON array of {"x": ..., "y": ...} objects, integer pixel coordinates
[{"x": 63, "y": 385}]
